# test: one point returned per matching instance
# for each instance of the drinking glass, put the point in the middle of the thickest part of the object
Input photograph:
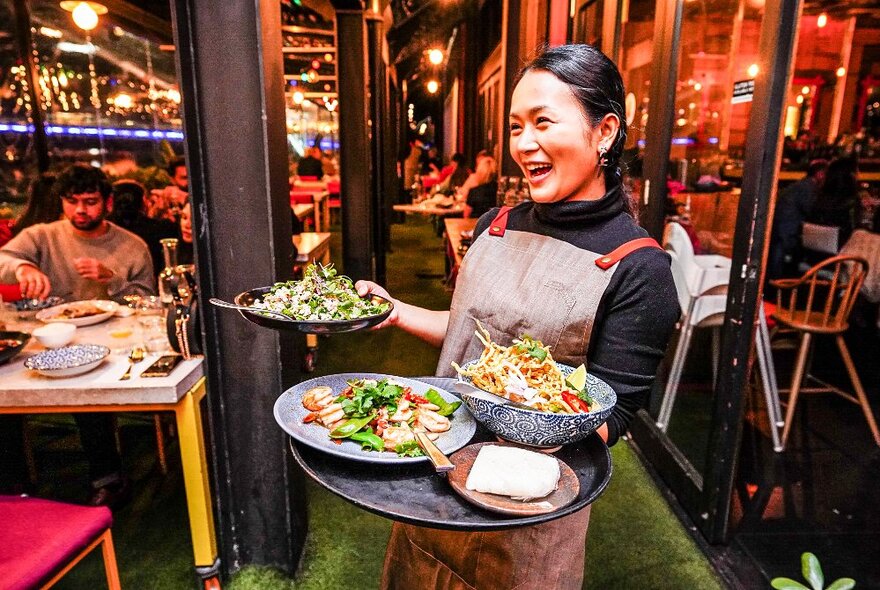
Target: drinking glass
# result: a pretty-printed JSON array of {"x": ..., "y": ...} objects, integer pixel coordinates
[{"x": 151, "y": 317}]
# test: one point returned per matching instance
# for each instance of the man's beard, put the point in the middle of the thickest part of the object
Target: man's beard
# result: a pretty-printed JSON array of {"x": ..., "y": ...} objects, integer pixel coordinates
[{"x": 89, "y": 225}]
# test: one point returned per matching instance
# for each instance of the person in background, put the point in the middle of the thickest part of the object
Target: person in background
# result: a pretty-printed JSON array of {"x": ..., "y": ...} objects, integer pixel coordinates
[
  {"x": 43, "y": 207},
  {"x": 166, "y": 203},
  {"x": 310, "y": 164},
  {"x": 472, "y": 179},
  {"x": 793, "y": 206},
  {"x": 185, "y": 246},
  {"x": 411, "y": 167},
  {"x": 128, "y": 213},
  {"x": 837, "y": 202},
  {"x": 84, "y": 256},
  {"x": 614, "y": 307},
  {"x": 484, "y": 195},
  {"x": 431, "y": 161}
]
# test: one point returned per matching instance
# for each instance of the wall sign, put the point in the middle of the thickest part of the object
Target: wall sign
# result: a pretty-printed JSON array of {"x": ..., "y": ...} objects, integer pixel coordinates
[{"x": 743, "y": 91}]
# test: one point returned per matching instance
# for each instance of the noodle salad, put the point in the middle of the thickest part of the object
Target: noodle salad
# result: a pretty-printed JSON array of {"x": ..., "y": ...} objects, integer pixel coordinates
[{"x": 525, "y": 372}]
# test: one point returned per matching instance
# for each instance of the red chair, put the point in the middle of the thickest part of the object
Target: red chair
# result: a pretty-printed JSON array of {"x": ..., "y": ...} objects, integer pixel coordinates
[{"x": 41, "y": 540}]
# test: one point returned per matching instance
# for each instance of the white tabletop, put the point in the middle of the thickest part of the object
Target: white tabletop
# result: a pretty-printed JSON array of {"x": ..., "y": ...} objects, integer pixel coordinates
[{"x": 21, "y": 387}]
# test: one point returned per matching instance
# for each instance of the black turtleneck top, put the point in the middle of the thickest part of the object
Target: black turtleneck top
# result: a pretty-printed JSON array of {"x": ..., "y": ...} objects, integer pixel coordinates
[{"x": 639, "y": 309}]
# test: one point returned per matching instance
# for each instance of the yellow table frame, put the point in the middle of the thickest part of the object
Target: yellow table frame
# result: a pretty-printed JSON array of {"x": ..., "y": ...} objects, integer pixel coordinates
[{"x": 188, "y": 415}]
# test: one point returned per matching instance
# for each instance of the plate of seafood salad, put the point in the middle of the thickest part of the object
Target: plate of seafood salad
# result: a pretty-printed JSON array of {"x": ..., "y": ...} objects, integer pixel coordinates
[
  {"x": 373, "y": 418},
  {"x": 323, "y": 302},
  {"x": 321, "y": 295}
]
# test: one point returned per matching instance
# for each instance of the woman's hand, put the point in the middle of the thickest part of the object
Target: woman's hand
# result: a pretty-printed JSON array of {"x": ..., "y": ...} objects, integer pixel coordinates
[
  {"x": 365, "y": 288},
  {"x": 428, "y": 325}
]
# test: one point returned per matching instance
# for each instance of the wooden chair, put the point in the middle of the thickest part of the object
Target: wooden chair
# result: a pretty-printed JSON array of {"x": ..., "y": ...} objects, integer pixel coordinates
[
  {"x": 817, "y": 304},
  {"x": 41, "y": 540}
]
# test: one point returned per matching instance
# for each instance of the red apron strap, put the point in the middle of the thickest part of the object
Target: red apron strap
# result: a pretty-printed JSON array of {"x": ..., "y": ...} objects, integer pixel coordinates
[
  {"x": 499, "y": 224},
  {"x": 624, "y": 250}
]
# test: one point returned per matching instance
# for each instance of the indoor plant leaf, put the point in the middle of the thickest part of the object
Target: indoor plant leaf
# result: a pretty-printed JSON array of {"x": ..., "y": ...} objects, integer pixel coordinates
[
  {"x": 812, "y": 570},
  {"x": 787, "y": 584},
  {"x": 842, "y": 584}
]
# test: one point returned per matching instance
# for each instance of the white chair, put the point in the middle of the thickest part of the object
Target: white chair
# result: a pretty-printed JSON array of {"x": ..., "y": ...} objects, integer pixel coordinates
[
  {"x": 701, "y": 284},
  {"x": 824, "y": 239}
]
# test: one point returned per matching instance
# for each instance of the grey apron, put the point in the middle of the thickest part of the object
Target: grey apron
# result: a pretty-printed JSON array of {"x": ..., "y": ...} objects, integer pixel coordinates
[{"x": 515, "y": 283}]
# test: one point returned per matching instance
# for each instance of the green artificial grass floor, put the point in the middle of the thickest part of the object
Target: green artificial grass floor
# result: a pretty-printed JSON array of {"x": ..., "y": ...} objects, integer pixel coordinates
[{"x": 635, "y": 541}]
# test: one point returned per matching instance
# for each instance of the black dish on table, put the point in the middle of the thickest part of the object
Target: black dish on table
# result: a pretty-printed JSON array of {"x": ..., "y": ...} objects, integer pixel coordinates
[
  {"x": 6, "y": 353},
  {"x": 308, "y": 326}
]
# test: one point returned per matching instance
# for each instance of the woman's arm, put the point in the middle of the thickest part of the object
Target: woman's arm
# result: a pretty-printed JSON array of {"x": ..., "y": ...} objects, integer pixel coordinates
[{"x": 428, "y": 325}]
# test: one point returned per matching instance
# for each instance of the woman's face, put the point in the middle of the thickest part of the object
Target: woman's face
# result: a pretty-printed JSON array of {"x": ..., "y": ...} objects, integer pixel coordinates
[
  {"x": 552, "y": 141},
  {"x": 186, "y": 224}
]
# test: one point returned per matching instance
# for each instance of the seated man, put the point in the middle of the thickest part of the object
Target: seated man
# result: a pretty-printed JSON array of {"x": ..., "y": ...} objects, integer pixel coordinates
[
  {"x": 83, "y": 256},
  {"x": 310, "y": 164}
]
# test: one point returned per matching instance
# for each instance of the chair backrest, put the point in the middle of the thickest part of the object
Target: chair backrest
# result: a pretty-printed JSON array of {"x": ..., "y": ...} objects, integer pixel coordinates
[
  {"x": 830, "y": 289},
  {"x": 820, "y": 238},
  {"x": 676, "y": 239},
  {"x": 681, "y": 285}
]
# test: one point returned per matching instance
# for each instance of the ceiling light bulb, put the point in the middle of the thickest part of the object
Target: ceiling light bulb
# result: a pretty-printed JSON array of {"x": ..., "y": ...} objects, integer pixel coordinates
[
  {"x": 753, "y": 70},
  {"x": 822, "y": 20},
  {"x": 435, "y": 56},
  {"x": 85, "y": 16},
  {"x": 433, "y": 86}
]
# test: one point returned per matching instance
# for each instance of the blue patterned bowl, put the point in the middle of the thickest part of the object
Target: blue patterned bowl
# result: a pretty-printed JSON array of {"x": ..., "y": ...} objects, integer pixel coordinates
[
  {"x": 541, "y": 429},
  {"x": 68, "y": 361}
]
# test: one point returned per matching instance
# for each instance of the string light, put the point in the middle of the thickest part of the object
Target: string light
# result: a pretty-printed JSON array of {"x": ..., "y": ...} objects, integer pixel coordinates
[
  {"x": 753, "y": 70},
  {"x": 822, "y": 20},
  {"x": 841, "y": 72},
  {"x": 435, "y": 56},
  {"x": 432, "y": 86}
]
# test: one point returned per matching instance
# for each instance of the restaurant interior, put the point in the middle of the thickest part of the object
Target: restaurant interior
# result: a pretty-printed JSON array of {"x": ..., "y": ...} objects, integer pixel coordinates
[{"x": 306, "y": 127}]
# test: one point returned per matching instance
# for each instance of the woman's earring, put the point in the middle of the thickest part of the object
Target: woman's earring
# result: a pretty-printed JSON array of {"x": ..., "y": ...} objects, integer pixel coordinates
[{"x": 603, "y": 160}]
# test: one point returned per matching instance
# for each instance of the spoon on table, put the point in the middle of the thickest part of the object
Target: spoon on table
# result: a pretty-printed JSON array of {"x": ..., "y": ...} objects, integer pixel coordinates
[
  {"x": 134, "y": 357},
  {"x": 221, "y": 303},
  {"x": 441, "y": 462}
]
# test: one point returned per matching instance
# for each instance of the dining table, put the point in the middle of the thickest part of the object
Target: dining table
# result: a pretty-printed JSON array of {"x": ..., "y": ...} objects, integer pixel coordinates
[
  {"x": 24, "y": 391},
  {"x": 415, "y": 494}
]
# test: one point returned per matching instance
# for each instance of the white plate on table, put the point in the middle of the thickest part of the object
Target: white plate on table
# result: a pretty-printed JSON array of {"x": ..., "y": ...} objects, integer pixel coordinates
[
  {"x": 68, "y": 360},
  {"x": 98, "y": 310}
]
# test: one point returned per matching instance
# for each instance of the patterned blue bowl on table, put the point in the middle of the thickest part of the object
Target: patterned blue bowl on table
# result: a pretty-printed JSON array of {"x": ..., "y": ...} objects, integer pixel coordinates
[
  {"x": 68, "y": 361},
  {"x": 541, "y": 429}
]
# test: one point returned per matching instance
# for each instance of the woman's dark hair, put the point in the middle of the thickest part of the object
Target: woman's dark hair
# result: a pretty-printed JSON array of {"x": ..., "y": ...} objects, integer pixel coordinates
[
  {"x": 128, "y": 202},
  {"x": 43, "y": 206},
  {"x": 841, "y": 186},
  {"x": 596, "y": 84}
]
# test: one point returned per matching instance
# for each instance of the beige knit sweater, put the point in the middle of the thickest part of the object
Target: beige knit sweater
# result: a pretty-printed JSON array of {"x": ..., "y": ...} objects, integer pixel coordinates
[{"x": 52, "y": 247}]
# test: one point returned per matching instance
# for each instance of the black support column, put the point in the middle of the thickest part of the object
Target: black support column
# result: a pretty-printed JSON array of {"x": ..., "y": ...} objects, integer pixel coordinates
[
  {"x": 763, "y": 155},
  {"x": 358, "y": 225},
  {"x": 232, "y": 82},
  {"x": 380, "y": 128},
  {"x": 511, "y": 64},
  {"x": 661, "y": 117}
]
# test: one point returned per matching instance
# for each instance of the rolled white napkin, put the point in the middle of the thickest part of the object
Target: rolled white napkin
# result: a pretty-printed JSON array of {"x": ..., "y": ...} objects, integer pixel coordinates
[{"x": 509, "y": 471}]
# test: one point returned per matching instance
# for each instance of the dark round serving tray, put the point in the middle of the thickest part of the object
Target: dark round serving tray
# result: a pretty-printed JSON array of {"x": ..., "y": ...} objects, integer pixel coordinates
[
  {"x": 247, "y": 298},
  {"x": 416, "y": 494}
]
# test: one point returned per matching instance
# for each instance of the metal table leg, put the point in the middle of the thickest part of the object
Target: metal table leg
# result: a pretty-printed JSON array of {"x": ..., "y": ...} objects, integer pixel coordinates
[{"x": 198, "y": 491}]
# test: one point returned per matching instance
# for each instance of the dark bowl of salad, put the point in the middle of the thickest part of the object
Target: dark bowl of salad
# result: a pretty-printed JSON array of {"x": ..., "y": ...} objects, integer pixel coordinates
[
  {"x": 11, "y": 343},
  {"x": 321, "y": 303}
]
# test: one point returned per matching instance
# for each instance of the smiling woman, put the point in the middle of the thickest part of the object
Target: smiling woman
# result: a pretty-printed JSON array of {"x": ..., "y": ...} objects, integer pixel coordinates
[{"x": 579, "y": 275}]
